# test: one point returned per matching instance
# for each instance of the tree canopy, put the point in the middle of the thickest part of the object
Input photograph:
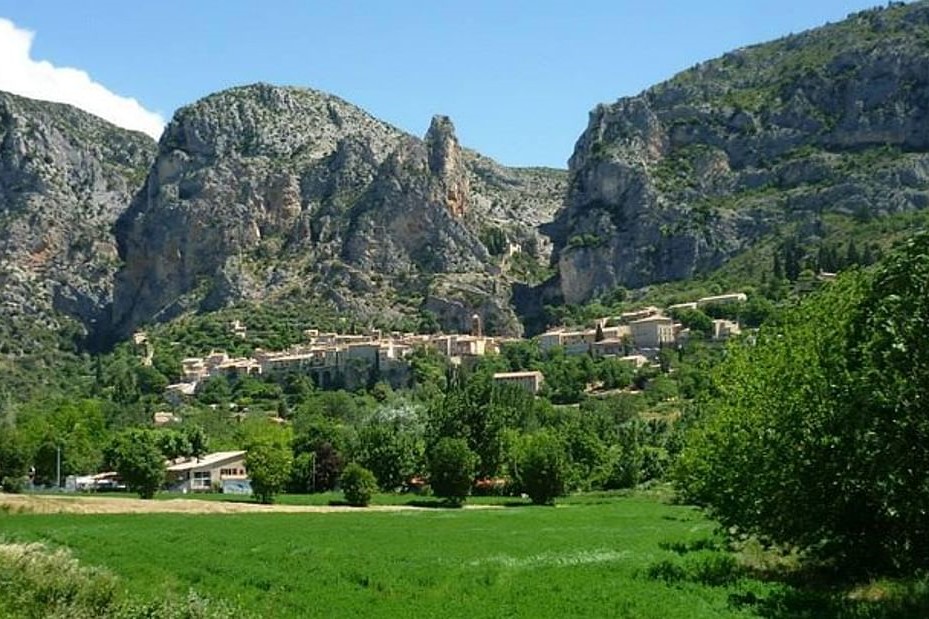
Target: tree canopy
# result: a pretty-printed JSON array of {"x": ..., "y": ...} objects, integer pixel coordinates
[
  {"x": 268, "y": 461},
  {"x": 816, "y": 436},
  {"x": 137, "y": 457},
  {"x": 451, "y": 469}
]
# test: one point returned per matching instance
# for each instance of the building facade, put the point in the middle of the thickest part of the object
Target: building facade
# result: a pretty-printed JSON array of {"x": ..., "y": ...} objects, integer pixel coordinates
[
  {"x": 530, "y": 381},
  {"x": 200, "y": 475}
]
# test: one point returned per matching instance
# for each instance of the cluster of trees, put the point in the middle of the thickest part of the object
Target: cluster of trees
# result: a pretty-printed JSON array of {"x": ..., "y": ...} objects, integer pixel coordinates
[
  {"x": 456, "y": 428},
  {"x": 791, "y": 258},
  {"x": 52, "y": 437},
  {"x": 139, "y": 454},
  {"x": 816, "y": 436},
  {"x": 475, "y": 429}
]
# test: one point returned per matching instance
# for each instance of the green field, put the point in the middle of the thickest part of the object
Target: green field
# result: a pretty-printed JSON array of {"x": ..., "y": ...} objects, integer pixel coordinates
[
  {"x": 594, "y": 557},
  {"x": 574, "y": 560}
]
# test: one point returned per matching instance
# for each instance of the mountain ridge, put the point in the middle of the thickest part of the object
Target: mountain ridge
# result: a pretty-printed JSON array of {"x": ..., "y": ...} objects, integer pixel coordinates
[
  {"x": 675, "y": 181},
  {"x": 270, "y": 192}
]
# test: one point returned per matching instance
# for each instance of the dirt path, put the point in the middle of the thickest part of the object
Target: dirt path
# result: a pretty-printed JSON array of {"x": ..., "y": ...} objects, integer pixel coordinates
[{"x": 76, "y": 504}]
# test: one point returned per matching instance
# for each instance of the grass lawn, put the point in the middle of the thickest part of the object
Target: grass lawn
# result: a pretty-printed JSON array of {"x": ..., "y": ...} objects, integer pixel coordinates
[
  {"x": 616, "y": 557},
  {"x": 595, "y": 555},
  {"x": 319, "y": 498}
]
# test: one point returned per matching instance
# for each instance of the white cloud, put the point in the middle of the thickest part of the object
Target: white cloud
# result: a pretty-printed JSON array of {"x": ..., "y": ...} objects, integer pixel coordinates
[{"x": 40, "y": 79}]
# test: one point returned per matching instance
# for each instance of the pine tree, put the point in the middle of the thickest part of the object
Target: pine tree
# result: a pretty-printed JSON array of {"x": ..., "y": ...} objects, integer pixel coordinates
[
  {"x": 778, "y": 266},
  {"x": 852, "y": 257},
  {"x": 792, "y": 257}
]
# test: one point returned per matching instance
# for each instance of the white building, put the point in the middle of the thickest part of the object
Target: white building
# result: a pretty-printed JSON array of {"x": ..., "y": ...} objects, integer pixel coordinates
[
  {"x": 724, "y": 329},
  {"x": 530, "y": 381},
  {"x": 652, "y": 332},
  {"x": 199, "y": 475},
  {"x": 723, "y": 299}
]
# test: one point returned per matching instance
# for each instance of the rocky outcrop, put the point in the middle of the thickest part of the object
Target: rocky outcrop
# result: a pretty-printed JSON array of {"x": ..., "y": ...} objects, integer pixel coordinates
[
  {"x": 262, "y": 193},
  {"x": 447, "y": 165},
  {"x": 411, "y": 217},
  {"x": 65, "y": 176},
  {"x": 673, "y": 182}
]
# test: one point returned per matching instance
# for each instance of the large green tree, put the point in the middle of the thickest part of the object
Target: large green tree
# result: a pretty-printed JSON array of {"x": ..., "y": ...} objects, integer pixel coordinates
[
  {"x": 544, "y": 467},
  {"x": 268, "y": 460},
  {"x": 69, "y": 433},
  {"x": 392, "y": 449},
  {"x": 451, "y": 469},
  {"x": 14, "y": 459},
  {"x": 319, "y": 447},
  {"x": 480, "y": 411},
  {"x": 818, "y": 433},
  {"x": 136, "y": 455}
]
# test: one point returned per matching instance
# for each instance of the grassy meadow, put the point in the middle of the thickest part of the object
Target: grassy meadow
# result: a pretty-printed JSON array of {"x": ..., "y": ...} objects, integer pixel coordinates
[{"x": 596, "y": 556}]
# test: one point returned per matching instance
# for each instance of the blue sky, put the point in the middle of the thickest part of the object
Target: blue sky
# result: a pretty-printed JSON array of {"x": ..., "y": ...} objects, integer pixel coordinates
[{"x": 517, "y": 77}]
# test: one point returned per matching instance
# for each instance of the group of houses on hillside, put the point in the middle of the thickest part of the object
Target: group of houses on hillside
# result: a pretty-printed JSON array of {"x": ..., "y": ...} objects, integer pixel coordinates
[
  {"x": 332, "y": 357},
  {"x": 636, "y": 336},
  {"x": 338, "y": 359}
]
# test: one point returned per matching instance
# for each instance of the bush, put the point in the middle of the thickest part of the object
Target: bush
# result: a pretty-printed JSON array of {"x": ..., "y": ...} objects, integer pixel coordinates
[
  {"x": 543, "y": 468},
  {"x": 625, "y": 468},
  {"x": 712, "y": 568},
  {"x": 358, "y": 485},
  {"x": 654, "y": 462},
  {"x": 39, "y": 582},
  {"x": 451, "y": 469},
  {"x": 12, "y": 485}
]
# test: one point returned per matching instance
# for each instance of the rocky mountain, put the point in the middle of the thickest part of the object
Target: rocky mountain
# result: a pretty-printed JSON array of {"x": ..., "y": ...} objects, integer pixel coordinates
[
  {"x": 264, "y": 194},
  {"x": 65, "y": 176},
  {"x": 267, "y": 194},
  {"x": 675, "y": 181}
]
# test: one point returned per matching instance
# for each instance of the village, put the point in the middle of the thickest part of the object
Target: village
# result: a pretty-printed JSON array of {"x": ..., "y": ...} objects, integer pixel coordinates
[
  {"x": 347, "y": 360},
  {"x": 338, "y": 360}
]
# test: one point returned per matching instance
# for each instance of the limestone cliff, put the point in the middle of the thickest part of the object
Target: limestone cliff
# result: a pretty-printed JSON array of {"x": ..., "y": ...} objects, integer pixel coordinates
[
  {"x": 261, "y": 193},
  {"x": 675, "y": 181},
  {"x": 65, "y": 176}
]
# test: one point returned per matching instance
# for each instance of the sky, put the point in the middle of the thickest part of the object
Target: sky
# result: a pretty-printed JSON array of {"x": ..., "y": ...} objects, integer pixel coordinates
[{"x": 517, "y": 77}]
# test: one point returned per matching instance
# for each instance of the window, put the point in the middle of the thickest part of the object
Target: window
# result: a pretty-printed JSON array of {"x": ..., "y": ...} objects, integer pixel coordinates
[{"x": 202, "y": 479}]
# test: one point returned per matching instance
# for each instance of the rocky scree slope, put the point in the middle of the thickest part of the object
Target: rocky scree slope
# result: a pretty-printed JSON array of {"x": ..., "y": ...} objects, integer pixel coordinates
[
  {"x": 264, "y": 194},
  {"x": 675, "y": 181},
  {"x": 65, "y": 176}
]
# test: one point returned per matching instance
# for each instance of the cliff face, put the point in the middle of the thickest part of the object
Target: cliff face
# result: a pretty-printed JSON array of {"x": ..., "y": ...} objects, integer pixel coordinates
[
  {"x": 65, "y": 176},
  {"x": 262, "y": 193},
  {"x": 675, "y": 181}
]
